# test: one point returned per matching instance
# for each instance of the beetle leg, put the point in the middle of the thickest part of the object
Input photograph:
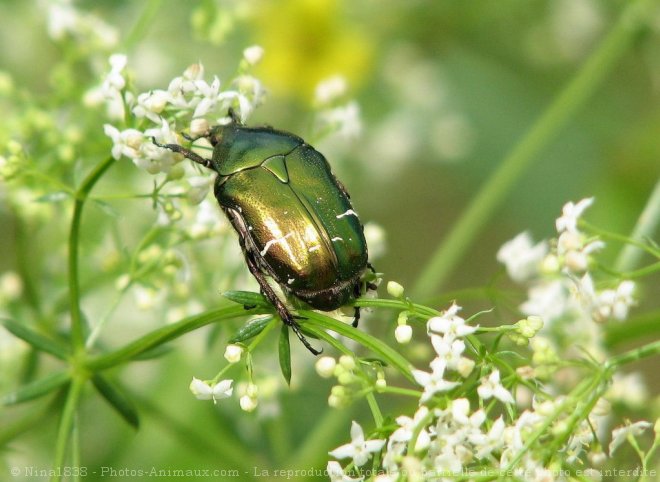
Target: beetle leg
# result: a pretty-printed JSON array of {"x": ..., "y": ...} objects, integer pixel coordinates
[
  {"x": 357, "y": 291},
  {"x": 342, "y": 188},
  {"x": 266, "y": 289},
  {"x": 187, "y": 153},
  {"x": 270, "y": 295}
]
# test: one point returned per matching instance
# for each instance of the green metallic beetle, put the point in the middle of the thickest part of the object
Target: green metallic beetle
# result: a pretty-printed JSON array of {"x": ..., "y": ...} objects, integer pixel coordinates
[{"x": 294, "y": 218}]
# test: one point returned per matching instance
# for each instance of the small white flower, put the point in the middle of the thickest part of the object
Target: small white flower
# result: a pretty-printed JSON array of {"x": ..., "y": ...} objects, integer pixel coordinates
[
  {"x": 487, "y": 443},
  {"x": 210, "y": 95},
  {"x": 151, "y": 104},
  {"x": 451, "y": 325},
  {"x": 570, "y": 214},
  {"x": 359, "y": 449},
  {"x": 433, "y": 382},
  {"x": 612, "y": 303},
  {"x": 408, "y": 425},
  {"x": 199, "y": 188},
  {"x": 403, "y": 334},
  {"x": 204, "y": 391},
  {"x": 115, "y": 80},
  {"x": 615, "y": 303},
  {"x": 253, "y": 54},
  {"x": 521, "y": 257},
  {"x": 125, "y": 143},
  {"x": 233, "y": 353},
  {"x": 460, "y": 413},
  {"x": 448, "y": 350},
  {"x": 235, "y": 99},
  {"x": 576, "y": 249},
  {"x": 549, "y": 300},
  {"x": 336, "y": 473},
  {"x": 447, "y": 462},
  {"x": 620, "y": 434},
  {"x": 330, "y": 89},
  {"x": 344, "y": 120},
  {"x": 491, "y": 387},
  {"x": 62, "y": 18}
]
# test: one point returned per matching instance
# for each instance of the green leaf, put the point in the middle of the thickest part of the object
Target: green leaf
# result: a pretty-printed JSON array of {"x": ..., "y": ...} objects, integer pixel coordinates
[
  {"x": 118, "y": 399},
  {"x": 161, "y": 336},
  {"x": 247, "y": 298},
  {"x": 36, "y": 389},
  {"x": 285, "y": 353},
  {"x": 155, "y": 352},
  {"x": 35, "y": 339},
  {"x": 251, "y": 329},
  {"x": 390, "y": 355}
]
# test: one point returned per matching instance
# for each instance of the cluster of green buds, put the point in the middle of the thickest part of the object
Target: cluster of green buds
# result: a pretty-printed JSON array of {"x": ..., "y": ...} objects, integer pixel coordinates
[
  {"x": 353, "y": 376},
  {"x": 525, "y": 330},
  {"x": 544, "y": 358}
]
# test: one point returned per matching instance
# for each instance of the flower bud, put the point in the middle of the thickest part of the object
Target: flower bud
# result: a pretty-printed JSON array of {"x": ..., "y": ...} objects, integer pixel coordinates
[
  {"x": 325, "y": 366},
  {"x": 394, "y": 289},
  {"x": 233, "y": 353},
  {"x": 248, "y": 403},
  {"x": 348, "y": 362},
  {"x": 403, "y": 333}
]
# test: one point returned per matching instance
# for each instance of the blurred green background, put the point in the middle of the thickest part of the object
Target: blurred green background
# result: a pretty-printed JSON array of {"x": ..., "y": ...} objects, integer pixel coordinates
[{"x": 445, "y": 90}]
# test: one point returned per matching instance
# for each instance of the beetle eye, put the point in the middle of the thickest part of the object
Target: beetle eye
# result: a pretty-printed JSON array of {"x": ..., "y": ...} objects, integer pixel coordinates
[{"x": 215, "y": 136}]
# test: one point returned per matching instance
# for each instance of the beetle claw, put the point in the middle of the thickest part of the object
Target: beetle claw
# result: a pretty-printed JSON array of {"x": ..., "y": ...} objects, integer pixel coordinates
[{"x": 296, "y": 329}]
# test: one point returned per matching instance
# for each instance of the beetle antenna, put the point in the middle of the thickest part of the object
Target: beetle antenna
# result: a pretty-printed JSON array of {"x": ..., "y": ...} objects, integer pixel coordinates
[
  {"x": 190, "y": 138},
  {"x": 187, "y": 153}
]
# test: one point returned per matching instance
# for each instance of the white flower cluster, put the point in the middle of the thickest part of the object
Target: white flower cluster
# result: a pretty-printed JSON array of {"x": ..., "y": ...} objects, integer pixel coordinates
[
  {"x": 437, "y": 441},
  {"x": 561, "y": 288},
  {"x": 334, "y": 117},
  {"x": 189, "y": 102},
  {"x": 445, "y": 332},
  {"x": 64, "y": 20}
]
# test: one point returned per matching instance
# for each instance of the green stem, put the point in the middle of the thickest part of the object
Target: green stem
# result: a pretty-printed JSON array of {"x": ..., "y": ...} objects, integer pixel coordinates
[
  {"x": 495, "y": 190},
  {"x": 581, "y": 412},
  {"x": 375, "y": 409},
  {"x": 77, "y": 338},
  {"x": 402, "y": 391},
  {"x": 66, "y": 425},
  {"x": 650, "y": 349},
  {"x": 645, "y": 227}
]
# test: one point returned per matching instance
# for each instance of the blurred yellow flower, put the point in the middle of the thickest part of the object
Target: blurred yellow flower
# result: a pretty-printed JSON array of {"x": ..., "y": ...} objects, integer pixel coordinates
[{"x": 307, "y": 41}]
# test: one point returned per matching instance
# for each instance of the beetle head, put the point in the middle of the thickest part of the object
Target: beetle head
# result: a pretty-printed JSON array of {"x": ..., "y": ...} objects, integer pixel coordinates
[{"x": 217, "y": 133}]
